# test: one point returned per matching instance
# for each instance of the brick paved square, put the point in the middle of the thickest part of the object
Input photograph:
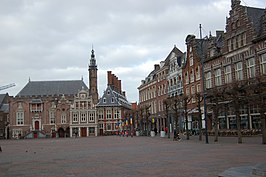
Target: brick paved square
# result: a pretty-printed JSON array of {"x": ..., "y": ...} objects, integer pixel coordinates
[{"x": 126, "y": 156}]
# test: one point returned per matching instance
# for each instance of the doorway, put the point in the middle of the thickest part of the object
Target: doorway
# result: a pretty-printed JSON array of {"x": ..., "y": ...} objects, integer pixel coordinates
[
  {"x": 61, "y": 133},
  {"x": 83, "y": 131},
  {"x": 36, "y": 124}
]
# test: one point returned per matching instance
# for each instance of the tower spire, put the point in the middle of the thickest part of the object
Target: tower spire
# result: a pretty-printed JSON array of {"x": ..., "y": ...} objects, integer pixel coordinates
[
  {"x": 93, "y": 78},
  {"x": 92, "y": 60}
]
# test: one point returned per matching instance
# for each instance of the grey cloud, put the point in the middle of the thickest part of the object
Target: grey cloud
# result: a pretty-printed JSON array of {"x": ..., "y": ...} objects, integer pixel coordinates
[{"x": 52, "y": 39}]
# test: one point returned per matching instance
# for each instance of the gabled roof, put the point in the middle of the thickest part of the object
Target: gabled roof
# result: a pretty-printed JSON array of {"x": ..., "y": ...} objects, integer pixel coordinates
[
  {"x": 2, "y": 97},
  {"x": 4, "y": 106},
  {"x": 41, "y": 88},
  {"x": 112, "y": 98},
  {"x": 254, "y": 15}
]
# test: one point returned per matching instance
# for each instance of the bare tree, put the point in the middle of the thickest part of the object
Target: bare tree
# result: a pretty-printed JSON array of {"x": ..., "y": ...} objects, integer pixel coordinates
[
  {"x": 215, "y": 97},
  {"x": 186, "y": 100},
  {"x": 238, "y": 95},
  {"x": 258, "y": 96},
  {"x": 176, "y": 107},
  {"x": 199, "y": 99},
  {"x": 167, "y": 104}
]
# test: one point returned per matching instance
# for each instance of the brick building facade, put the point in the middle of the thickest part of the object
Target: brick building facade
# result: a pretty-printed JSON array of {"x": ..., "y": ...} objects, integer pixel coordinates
[
  {"x": 47, "y": 108},
  {"x": 113, "y": 107}
]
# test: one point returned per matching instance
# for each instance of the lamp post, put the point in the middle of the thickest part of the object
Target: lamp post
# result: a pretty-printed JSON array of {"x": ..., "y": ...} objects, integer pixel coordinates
[{"x": 203, "y": 86}]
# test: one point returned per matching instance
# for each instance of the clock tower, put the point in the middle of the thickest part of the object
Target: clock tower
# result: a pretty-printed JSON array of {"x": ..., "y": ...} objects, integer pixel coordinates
[{"x": 93, "y": 78}]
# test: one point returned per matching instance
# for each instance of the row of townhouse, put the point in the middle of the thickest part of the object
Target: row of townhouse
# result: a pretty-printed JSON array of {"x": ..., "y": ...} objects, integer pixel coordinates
[
  {"x": 237, "y": 54},
  {"x": 66, "y": 108}
]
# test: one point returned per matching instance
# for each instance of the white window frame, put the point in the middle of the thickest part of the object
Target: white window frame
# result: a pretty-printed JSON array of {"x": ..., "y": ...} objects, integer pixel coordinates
[
  {"x": 263, "y": 63},
  {"x": 187, "y": 78},
  {"x": 227, "y": 74},
  {"x": 52, "y": 117},
  {"x": 117, "y": 114},
  {"x": 63, "y": 118},
  {"x": 218, "y": 77},
  {"x": 75, "y": 117},
  {"x": 208, "y": 79},
  {"x": 83, "y": 117},
  {"x": 239, "y": 71},
  {"x": 198, "y": 73},
  {"x": 198, "y": 88},
  {"x": 100, "y": 114},
  {"x": 20, "y": 118},
  {"x": 91, "y": 116},
  {"x": 251, "y": 72},
  {"x": 193, "y": 100},
  {"x": 192, "y": 76},
  {"x": 108, "y": 113}
]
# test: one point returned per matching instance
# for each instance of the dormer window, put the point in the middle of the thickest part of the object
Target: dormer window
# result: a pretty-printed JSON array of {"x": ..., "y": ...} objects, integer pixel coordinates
[
  {"x": 104, "y": 100},
  {"x": 108, "y": 92}
]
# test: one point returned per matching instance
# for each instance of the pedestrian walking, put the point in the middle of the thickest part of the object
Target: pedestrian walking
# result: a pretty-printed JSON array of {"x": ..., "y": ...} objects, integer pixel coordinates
[{"x": 155, "y": 131}]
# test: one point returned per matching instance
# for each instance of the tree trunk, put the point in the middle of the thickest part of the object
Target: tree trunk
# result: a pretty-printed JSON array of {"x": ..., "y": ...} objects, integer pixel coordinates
[
  {"x": 215, "y": 111},
  {"x": 263, "y": 128},
  {"x": 238, "y": 124},
  {"x": 187, "y": 131},
  {"x": 200, "y": 123}
]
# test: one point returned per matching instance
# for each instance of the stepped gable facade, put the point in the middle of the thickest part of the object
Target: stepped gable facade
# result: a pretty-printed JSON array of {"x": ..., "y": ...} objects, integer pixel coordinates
[{"x": 239, "y": 57}]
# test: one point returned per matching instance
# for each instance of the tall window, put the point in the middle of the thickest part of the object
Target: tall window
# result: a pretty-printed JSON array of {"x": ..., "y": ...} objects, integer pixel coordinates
[
  {"x": 263, "y": 64},
  {"x": 108, "y": 114},
  {"x": 91, "y": 117},
  {"x": 75, "y": 117},
  {"x": 116, "y": 114},
  {"x": 208, "y": 78},
  {"x": 187, "y": 91},
  {"x": 20, "y": 118},
  {"x": 192, "y": 75},
  {"x": 251, "y": 68},
  {"x": 52, "y": 117},
  {"x": 198, "y": 73},
  {"x": 229, "y": 45},
  {"x": 218, "y": 77},
  {"x": 100, "y": 114},
  {"x": 83, "y": 117},
  {"x": 186, "y": 78},
  {"x": 63, "y": 118},
  {"x": 227, "y": 74},
  {"x": 191, "y": 59},
  {"x": 193, "y": 94},
  {"x": 239, "y": 71},
  {"x": 198, "y": 88}
]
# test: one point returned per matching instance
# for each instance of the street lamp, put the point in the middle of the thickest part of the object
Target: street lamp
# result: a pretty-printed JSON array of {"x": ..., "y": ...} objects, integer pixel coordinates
[{"x": 203, "y": 86}]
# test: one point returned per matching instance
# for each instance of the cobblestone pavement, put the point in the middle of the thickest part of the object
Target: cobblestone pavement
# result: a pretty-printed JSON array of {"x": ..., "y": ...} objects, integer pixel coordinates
[{"x": 126, "y": 156}]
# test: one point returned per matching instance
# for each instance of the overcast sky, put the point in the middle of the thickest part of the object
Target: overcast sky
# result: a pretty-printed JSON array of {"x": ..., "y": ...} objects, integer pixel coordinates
[{"x": 52, "y": 39}]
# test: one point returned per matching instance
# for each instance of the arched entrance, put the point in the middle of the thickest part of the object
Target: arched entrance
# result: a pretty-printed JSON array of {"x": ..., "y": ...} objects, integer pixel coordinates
[
  {"x": 36, "y": 125},
  {"x": 67, "y": 132},
  {"x": 61, "y": 132}
]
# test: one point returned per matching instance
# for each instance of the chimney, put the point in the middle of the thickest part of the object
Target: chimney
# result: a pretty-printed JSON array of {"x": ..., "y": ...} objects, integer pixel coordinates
[
  {"x": 119, "y": 86},
  {"x": 156, "y": 66},
  {"x": 116, "y": 83},
  {"x": 109, "y": 78}
]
